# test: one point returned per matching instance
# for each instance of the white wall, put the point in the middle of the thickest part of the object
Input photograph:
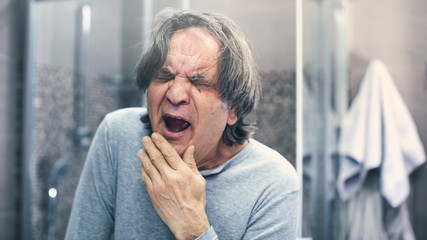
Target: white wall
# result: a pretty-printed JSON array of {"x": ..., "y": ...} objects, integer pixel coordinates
[{"x": 396, "y": 32}]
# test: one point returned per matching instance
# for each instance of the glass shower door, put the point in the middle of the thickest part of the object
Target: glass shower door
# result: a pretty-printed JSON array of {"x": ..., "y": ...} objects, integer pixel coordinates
[
  {"x": 324, "y": 103},
  {"x": 82, "y": 69}
]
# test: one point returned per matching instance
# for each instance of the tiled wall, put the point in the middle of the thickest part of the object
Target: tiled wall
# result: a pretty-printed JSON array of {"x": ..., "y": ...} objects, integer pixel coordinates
[
  {"x": 276, "y": 112},
  {"x": 53, "y": 139},
  {"x": 57, "y": 111}
]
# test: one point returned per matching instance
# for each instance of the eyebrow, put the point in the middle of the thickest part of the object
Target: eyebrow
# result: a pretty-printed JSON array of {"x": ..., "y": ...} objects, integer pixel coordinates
[
  {"x": 196, "y": 77},
  {"x": 165, "y": 69},
  {"x": 165, "y": 72}
]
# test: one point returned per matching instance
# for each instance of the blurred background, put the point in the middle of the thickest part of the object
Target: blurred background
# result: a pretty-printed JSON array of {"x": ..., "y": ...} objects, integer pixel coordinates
[{"x": 64, "y": 64}]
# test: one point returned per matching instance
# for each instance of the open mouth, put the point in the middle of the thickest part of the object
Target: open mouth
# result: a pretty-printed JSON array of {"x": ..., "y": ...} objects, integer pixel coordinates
[{"x": 175, "y": 124}]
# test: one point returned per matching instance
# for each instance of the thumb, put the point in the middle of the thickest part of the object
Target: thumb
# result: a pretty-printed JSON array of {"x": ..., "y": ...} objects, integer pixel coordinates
[{"x": 188, "y": 158}]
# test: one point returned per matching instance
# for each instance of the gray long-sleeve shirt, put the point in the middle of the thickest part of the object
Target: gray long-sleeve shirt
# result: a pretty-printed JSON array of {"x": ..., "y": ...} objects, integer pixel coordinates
[{"x": 254, "y": 195}]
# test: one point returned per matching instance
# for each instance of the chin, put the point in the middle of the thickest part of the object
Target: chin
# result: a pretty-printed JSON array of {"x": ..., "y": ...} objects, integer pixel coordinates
[
  {"x": 180, "y": 149},
  {"x": 175, "y": 141}
]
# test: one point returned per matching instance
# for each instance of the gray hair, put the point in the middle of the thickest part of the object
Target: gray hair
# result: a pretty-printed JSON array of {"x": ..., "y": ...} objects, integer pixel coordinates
[{"x": 238, "y": 81}]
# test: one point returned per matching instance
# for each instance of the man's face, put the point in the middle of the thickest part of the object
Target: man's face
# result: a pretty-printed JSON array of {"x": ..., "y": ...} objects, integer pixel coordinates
[{"x": 183, "y": 103}]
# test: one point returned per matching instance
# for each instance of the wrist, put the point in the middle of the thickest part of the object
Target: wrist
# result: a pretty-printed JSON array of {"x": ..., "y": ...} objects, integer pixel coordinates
[{"x": 195, "y": 232}]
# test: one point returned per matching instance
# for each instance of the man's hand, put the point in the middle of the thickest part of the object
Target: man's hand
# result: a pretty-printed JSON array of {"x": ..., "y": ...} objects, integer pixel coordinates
[{"x": 176, "y": 187}]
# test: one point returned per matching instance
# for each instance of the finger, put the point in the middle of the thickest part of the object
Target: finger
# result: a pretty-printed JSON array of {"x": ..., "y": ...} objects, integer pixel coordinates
[
  {"x": 148, "y": 167},
  {"x": 146, "y": 179},
  {"x": 155, "y": 155},
  {"x": 168, "y": 152},
  {"x": 188, "y": 158}
]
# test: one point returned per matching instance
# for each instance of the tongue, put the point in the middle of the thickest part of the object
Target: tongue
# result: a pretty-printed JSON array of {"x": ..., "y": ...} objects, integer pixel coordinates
[{"x": 175, "y": 124}]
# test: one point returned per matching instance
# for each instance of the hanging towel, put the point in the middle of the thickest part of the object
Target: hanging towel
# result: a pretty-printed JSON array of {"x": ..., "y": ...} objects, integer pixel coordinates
[
  {"x": 378, "y": 132},
  {"x": 367, "y": 215}
]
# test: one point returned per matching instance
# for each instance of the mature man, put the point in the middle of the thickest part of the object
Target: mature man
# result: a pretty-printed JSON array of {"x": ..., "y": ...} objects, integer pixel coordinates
[{"x": 203, "y": 176}]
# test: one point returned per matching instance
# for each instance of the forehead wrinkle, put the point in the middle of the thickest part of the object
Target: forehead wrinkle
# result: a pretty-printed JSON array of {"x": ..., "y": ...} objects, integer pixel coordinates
[
  {"x": 196, "y": 66},
  {"x": 210, "y": 64},
  {"x": 208, "y": 42},
  {"x": 193, "y": 50}
]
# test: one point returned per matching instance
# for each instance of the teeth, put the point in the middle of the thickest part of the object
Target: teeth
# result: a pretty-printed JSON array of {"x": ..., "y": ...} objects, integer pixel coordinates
[{"x": 176, "y": 124}]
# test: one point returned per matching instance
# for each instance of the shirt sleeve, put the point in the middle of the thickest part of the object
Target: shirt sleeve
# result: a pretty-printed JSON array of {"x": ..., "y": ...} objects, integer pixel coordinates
[
  {"x": 275, "y": 218},
  {"x": 210, "y": 234},
  {"x": 92, "y": 214}
]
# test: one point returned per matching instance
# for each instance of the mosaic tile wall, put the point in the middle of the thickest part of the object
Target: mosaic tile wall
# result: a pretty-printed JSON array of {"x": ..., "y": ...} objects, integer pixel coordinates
[
  {"x": 57, "y": 110},
  {"x": 276, "y": 113}
]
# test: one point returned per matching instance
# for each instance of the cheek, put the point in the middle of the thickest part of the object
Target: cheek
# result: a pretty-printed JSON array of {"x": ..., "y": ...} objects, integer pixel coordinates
[
  {"x": 216, "y": 121},
  {"x": 154, "y": 97},
  {"x": 150, "y": 102},
  {"x": 151, "y": 92},
  {"x": 153, "y": 107},
  {"x": 215, "y": 111}
]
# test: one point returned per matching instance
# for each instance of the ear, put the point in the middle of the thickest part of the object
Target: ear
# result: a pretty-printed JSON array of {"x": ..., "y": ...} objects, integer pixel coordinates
[{"x": 232, "y": 117}]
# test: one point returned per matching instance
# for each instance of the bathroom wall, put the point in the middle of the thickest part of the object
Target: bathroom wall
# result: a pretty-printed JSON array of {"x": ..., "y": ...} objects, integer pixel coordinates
[
  {"x": 55, "y": 138},
  {"x": 269, "y": 25},
  {"x": 395, "y": 32}
]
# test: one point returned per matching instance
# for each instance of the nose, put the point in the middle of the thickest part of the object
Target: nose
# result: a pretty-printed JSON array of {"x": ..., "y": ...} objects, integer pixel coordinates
[{"x": 178, "y": 92}]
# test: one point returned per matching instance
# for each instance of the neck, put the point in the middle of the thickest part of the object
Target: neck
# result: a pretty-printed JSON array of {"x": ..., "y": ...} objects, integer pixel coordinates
[{"x": 223, "y": 154}]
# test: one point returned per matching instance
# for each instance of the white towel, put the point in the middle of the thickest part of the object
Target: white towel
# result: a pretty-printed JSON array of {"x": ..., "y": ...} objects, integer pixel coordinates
[{"x": 379, "y": 132}]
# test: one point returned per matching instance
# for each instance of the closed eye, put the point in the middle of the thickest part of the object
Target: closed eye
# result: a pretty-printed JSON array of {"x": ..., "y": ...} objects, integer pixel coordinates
[
  {"x": 199, "y": 80},
  {"x": 165, "y": 75}
]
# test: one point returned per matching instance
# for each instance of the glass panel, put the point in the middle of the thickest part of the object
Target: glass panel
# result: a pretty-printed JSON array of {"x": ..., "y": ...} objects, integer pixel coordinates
[
  {"x": 324, "y": 100},
  {"x": 84, "y": 57},
  {"x": 347, "y": 45}
]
